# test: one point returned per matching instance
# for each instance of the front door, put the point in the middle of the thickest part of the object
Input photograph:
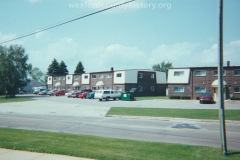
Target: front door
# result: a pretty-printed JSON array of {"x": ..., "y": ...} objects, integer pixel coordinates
[{"x": 215, "y": 94}]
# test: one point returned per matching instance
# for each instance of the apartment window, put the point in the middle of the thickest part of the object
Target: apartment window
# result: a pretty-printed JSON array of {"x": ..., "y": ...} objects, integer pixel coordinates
[
  {"x": 200, "y": 73},
  {"x": 178, "y": 73},
  {"x": 236, "y": 89},
  {"x": 85, "y": 87},
  {"x": 76, "y": 77},
  {"x": 59, "y": 78},
  {"x": 119, "y": 88},
  {"x": 140, "y": 88},
  {"x": 109, "y": 75},
  {"x": 69, "y": 87},
  {"x": 119, "y": 75},
  {"x": 200, "y": 89},
  {"x": 69, "y": 77},
  {"x": 94, "y": 88},
  {"x": 178, "y": 89},
  {"x": 49, "y": 79},
  {"x": 63, "y": 78},
  {"x": 100, "y": 75},
  {"x": 215, "y": 73},
  {"x": 109, "y": 88},
  {"x": 140, "y": 75},
  {"x": 85, "y": 77},
  {"x": 94, "y": 76},
  {"x": 152, "y": 88},
  {"x": 55, "y": 79},
  {"x": 63, "y": 87},
  {"x": 236, "y": 72},
  {"x": 152, "y": 75}
]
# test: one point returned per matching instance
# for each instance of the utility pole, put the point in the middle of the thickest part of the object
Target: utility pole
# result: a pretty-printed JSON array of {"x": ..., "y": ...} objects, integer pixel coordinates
[{"x": 220, "y": 83}]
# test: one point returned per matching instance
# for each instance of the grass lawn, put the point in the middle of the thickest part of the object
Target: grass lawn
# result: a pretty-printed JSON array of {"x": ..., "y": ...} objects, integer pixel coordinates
[
  {"x": 105, "y": 148},
  {"x": 175, "y": 113},
  {"x": 14, "y": 99},
  {"x": 151, "y": 98}
]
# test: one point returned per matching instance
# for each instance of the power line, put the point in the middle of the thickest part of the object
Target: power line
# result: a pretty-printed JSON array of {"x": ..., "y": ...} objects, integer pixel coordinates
[{"x": 68, "y": 21}]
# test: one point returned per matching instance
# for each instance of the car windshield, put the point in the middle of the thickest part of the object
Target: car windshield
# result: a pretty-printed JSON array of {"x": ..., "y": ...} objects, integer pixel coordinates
[{"x": 206, "y": 95}]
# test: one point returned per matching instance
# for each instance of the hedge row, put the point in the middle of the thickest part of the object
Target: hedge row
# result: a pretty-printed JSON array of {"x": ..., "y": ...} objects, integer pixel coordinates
[{"x": 178, "y": 97}]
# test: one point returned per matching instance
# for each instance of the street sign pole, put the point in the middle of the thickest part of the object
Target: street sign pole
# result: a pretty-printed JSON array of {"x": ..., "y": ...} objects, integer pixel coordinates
[{"x": 220, "y": 83}]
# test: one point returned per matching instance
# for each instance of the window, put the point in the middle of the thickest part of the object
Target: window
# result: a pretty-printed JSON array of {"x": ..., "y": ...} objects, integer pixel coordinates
[
  {"x": 106, "y": 92},
  {"x": 85, "y": 77},
  {"x": 200, "y": 73},
  {"x": 76, "y": 77},
  {"x": 63, "y": 87},
  {"x": 94, "y": 76},
  {"x": 152, "y": 75},
  {"x": 215, "y": 73},
  {"x": 55, "y": 79},
  {"x": 49, "y": 79},
  {"x": 69, "y": 77},
  {"x": 109, "y": 75},
  {"x": 109, "y": 88},
  {"x": 178, "y": 73},
  {"x": 59, "y": 78},
  {"x": 119, "y": 75},
  {"x": 94, "y": 88},
  {"x": 69, "y": 87},
  {"x": 236, "y": 72},
  {"x": 178, "y": 89},
  {"x": 119, "y": 88},
  {"x": 100, "y": 75},
  {"x": 140, "y": 88},
  {"x": 200, "y": 89},
  {"x": 63, "y": 78},
  {"x": 85, "y": 87},
  {"x": 152, "y": 88},
  {"x": 236, "y": 89},
  {"x": 140, "y": 75}
]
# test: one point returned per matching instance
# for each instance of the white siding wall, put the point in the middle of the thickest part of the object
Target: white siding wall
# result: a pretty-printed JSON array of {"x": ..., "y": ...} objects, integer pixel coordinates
[
  {"x": 131, "y": 76},
  {"x": 85, "y": 81},
  {"x": 120, "y": 80},
  {"x": 161, "y": 78},
  {"x": 50, "y": 81},
  {"x": 69, "y": 81},
  {"x": 178, "y": 79}
]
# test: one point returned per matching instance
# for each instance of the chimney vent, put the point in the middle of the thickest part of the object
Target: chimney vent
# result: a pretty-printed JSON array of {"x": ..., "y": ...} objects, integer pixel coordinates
[
  {"x": 228, "y": 63},
  {"x": 112, "y": 69}
]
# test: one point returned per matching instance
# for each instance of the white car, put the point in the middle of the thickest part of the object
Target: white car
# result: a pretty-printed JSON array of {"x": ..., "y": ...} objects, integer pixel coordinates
[
  {"x": 107, "y": 94},
  {"x": 69, "y": 94}
]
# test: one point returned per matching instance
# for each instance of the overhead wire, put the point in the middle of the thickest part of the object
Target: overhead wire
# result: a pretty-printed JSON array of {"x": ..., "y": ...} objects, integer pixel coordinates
[{"x": 112, "y": 5}]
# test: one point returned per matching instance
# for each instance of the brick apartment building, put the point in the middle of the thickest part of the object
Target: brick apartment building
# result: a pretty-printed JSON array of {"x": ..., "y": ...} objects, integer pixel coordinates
[
  {"x": 147, "y": 82},
  {"x": 193, "y": 81}
]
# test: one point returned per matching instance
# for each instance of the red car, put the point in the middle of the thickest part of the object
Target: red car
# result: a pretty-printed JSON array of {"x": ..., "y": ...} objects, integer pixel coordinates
[
  {"x": 60, "y": 93},
  {"x": 206, "y": 98},
  {"x": 83, "y": 95}
]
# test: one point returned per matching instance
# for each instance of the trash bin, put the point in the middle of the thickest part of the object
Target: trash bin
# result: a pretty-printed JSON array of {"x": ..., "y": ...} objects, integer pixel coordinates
[{"x": 128, "y": 96}]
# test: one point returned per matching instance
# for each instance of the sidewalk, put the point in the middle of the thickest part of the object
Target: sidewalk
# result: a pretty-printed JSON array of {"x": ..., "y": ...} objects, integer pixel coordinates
[{"x": 7, "y": 154}]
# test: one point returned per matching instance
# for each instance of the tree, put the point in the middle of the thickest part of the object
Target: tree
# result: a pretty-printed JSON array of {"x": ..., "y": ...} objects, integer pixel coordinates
[
  {"x": 163, "y": 67},
  {"x": 53, "y": 69},
  {"x": 79, "y": 68},
  {"x": 37, "y": 75},
  {"x": 13, "y": 68},
  {"x": 63, "y": 68}
]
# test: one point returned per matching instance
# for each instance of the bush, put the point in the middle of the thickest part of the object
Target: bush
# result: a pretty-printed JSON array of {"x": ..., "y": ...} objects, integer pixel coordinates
[
  {"x": 232, "y": 98},
  {"x": 197, "y": 98},
  {"x": 186, "y": 97},
  {"x": 175, "y": 97}
]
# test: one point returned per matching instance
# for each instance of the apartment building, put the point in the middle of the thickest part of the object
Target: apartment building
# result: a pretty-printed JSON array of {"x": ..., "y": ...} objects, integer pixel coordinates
[
  {"x": 193, "y": 81},
  {"x": 147, "y": 82}
]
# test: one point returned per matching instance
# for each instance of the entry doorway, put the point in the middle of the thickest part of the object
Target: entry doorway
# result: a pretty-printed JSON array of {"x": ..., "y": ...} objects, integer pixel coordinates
[{"x": 215, "y": 93}]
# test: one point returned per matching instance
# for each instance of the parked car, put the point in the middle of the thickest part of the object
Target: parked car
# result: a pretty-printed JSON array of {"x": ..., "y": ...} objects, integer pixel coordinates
[
  {"x": 44, "y": 92},
  {"x": 90, "y": 95},
  {"x": 36, "y": 91},
  {"x": 50, "y": 93},
  {"x": 206, "y": 97},
  {"x": 59, "y": 93},
  {"x": 83, "y": 95},
  {"x": 107, "y": 94},
  {"x": 70, "y": 94},
  {"x": 75, "y": 95}
]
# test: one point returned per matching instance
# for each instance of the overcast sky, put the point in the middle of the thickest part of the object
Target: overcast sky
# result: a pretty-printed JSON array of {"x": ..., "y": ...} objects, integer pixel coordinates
[{"x": 135, "y": 36}]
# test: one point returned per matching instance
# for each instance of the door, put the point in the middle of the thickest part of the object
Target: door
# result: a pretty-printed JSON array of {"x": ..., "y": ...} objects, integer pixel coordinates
[{"x": 215, "y": 94}]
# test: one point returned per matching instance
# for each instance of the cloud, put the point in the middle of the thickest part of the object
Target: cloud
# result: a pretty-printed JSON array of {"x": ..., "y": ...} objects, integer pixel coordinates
[
  {"x": 34, "y": 1},
  {"x": 6, "y": 37}
]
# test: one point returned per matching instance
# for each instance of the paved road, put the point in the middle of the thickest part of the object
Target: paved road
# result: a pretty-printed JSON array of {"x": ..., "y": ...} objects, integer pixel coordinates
[{"x": 83, "y": 116}]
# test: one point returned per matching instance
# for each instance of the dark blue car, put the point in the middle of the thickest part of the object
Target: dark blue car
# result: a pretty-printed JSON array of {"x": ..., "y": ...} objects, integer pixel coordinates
[{"x": 90, "y": 95}]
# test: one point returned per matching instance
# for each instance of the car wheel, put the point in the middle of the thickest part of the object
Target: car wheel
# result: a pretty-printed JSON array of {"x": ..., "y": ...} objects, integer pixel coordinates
[
  {"x": 107, "y": 99},
  {"x": 59, "y": 95},
  {"x": 200, "y": 102},
  {"x": 100, "y": 99},
  {"x": 114, "y": 99}
]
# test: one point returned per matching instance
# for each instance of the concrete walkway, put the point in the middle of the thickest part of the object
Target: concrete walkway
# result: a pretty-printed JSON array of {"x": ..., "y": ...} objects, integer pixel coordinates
[{"x": 7, "y": 154}]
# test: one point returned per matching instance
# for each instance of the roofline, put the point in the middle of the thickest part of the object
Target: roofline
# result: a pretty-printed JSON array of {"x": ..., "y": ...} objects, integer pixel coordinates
[{"x": 205, "y": 67}]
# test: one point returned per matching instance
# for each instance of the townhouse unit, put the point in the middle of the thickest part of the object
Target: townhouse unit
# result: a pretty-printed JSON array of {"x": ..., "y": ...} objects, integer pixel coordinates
[
  {"x": 193, "y": 81},
  {"x": 147, "y": 82}
]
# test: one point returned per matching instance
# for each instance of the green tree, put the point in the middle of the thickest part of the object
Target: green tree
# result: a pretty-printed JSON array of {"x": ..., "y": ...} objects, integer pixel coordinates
[
  {"x": 37, "y": 75},
  {"x": 79, "y": 68},
  {"x": 13, "y": 68},
  {"x": 53, "y": 68},
  {"x": 63, "y": 68},
  {"x": 163, "y": 67}
]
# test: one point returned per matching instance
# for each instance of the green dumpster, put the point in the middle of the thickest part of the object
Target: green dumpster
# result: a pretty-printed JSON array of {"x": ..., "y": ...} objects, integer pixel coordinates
[{"x": 128, "y": 96}]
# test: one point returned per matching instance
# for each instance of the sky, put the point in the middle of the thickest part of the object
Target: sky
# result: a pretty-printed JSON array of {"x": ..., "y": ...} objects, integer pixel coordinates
[{"x": 134, "y": 36}]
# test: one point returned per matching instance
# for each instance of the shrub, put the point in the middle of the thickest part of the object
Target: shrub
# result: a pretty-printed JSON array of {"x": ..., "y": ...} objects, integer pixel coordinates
[
  {"x": 232, "y": 98},
  {"x": 197, "y": 98},
  {"x": 186, "y": 97},
  {"x": 175, "y": 97}
]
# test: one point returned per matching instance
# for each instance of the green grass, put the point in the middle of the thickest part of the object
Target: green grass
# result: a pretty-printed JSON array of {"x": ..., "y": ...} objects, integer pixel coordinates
[
  {"x": 14, "y": 99},
  {"x": 151, "y": 98},
  {"x": 105, "y": 148},
  {"x": 175, "y": 113}
]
